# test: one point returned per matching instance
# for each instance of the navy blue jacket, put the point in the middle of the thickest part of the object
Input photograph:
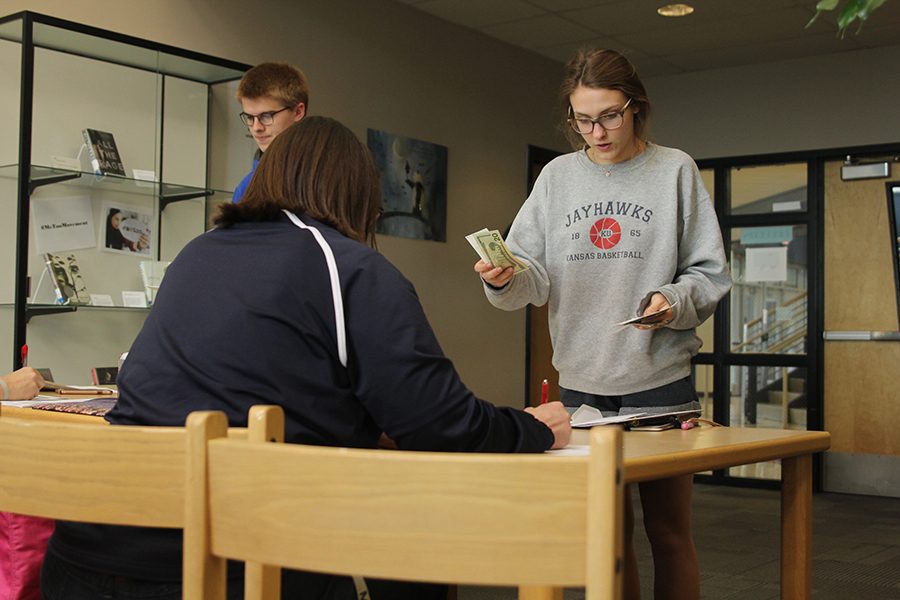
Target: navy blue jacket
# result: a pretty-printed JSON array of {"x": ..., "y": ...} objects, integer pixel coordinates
[{"x": 245, "y": 316}]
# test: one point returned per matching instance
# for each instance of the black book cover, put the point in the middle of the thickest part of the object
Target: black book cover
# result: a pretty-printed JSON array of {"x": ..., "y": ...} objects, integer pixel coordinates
[
  {"x": 104, "y": 154},
  {"x": 104, "y": 375}
]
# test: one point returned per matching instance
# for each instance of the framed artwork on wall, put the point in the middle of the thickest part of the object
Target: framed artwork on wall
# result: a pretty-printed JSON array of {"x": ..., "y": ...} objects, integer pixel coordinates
[{"x": 413, "y": 185}]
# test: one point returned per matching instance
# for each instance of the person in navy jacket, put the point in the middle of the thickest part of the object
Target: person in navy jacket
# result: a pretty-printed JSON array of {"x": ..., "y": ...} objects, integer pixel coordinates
[{"x": 287, "y": 302}]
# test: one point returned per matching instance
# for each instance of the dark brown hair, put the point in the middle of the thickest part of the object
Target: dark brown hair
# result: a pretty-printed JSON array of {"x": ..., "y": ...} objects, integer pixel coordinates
[
  {"x": 315, "y": 167},
  {"x": 281, "y": 81},
  {"x": 608, "y": 69}
]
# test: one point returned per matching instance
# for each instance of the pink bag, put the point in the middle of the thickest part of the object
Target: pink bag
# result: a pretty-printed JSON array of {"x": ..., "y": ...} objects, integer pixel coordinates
[{"x": 23, "y": 541}]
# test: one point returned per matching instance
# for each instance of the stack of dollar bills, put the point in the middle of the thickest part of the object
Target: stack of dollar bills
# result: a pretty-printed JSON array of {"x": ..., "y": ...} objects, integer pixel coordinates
[{"x": 492, "y": 249}]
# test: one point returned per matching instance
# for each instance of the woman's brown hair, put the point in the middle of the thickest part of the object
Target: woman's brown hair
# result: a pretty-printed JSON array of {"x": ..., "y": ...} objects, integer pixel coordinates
[
  {"x": 315, "y": 167},
  {"x": 608, "y": 69}
]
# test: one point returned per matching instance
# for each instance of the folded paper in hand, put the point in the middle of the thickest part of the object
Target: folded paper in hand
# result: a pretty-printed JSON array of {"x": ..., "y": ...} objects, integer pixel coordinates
[{"x": 493, "y": 250}]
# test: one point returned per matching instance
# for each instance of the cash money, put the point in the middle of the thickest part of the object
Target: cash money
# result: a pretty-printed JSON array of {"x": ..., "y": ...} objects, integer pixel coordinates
[{"x": 492, "y": 249}]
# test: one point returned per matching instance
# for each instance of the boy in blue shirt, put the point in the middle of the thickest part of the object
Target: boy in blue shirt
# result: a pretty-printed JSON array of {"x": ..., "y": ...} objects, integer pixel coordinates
[{"x": 273, "y": 96}]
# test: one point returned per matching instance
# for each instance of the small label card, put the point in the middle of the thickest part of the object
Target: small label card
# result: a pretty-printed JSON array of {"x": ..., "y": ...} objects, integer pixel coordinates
[
  {"x": 134, "y": 299},
  {"x": 141, "y": 175},
  {"x": 65, "y": 162},
  {"x": 101, "y": 300}
]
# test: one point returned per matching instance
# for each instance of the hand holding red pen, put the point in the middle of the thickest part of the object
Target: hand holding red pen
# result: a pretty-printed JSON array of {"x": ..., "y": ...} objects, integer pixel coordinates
[
  {"x": 23, "y": 384},
  {"x": 555, "y": 416}
]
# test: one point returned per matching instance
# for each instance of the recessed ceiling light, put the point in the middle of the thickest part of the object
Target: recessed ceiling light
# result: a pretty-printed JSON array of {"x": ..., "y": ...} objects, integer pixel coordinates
[{"x": 675, "y": 10}]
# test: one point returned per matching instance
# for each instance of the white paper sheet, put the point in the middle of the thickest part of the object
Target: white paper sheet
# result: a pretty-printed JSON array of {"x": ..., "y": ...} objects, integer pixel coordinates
[
  {"x": 588, "y": 416},
  {"x": 62, "y": 223},
  {"x": 766, "y": 264}
]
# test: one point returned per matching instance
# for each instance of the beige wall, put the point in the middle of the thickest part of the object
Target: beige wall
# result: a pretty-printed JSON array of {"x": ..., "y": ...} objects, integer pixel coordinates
[{"x": 382, "y": 65}]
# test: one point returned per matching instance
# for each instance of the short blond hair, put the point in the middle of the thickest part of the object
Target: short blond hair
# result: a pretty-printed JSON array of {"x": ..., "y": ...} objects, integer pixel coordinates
[{"x": 281, "y": 81}]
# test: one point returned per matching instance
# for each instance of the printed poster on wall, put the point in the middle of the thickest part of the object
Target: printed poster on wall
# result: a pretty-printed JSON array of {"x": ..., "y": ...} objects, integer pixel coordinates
[
  {"x": 127, "y": 229},
  {"x": 413, "y": 185},
  {"x": 62, "y": 223}
]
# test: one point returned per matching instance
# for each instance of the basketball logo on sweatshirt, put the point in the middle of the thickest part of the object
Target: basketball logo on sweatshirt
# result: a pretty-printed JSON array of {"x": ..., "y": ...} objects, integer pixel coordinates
[{"x": 606, "y": 233}]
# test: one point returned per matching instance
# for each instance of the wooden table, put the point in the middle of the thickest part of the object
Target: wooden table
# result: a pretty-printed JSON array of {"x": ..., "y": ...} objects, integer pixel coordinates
[{"x": 657, "y": 455}]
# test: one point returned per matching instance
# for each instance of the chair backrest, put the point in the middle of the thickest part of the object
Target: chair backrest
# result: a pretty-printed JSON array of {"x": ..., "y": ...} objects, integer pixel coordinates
[
  {"x": 86, "y": 472},
  {"x": 531, "y": 521}
]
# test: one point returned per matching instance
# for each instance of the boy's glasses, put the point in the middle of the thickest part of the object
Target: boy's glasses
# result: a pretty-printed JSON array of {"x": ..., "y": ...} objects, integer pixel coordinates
[{"x": 265, "y": 118}]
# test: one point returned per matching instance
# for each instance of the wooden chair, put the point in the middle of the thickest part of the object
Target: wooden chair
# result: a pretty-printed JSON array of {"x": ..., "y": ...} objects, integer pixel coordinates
[
  {"x": 539, "y": 522},
  {"x": 114, "y": 475},
  {"x": 97, "y": 474}
]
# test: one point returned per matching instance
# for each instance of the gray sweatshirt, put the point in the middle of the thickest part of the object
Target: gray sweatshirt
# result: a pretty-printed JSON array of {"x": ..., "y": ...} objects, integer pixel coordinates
[{"x": 600, "y": 239}]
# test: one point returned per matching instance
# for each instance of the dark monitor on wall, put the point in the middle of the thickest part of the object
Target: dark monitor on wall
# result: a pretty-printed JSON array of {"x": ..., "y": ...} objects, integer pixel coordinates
[{"x": 893, "y": 200}]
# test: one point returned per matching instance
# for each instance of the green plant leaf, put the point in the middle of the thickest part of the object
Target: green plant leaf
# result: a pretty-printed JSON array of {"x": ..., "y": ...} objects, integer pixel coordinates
[
  {"x": 869, "y": 7},
  {"x": 852, "y": 10},
  {"x": 866, "y": 12},
  {"x": 848, "y": 14},
  {"x": 822, "y": 6}
]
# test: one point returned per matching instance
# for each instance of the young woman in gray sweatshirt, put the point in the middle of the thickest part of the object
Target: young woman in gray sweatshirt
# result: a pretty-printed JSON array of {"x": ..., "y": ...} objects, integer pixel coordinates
[{"x": 621, "y": 227}]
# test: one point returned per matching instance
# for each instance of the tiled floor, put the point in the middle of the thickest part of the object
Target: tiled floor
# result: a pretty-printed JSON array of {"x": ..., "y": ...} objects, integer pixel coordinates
[{"x": 856, "y": 547}]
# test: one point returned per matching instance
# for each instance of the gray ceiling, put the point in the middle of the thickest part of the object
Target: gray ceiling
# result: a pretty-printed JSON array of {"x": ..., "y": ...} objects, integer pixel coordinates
[{"x": 720, "y": 33}]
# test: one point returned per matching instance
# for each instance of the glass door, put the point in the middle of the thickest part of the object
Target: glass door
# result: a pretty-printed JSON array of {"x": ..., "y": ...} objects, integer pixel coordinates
[{"x": 756, "y": 368}]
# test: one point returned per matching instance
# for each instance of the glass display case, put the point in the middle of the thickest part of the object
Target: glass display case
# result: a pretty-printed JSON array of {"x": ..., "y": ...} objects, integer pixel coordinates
[{"x": 75, "y": 239}]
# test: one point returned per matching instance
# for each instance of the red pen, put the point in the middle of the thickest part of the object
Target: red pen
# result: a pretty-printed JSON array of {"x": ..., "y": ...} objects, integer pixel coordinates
[
  {"x": 24, "y": 355},
  {"x": 544, "y": 392}
]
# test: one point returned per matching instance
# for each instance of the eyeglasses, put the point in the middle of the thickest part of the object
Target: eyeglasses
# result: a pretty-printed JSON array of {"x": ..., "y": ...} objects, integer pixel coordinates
[
  {"x": 265, "y": 118},
  {"x": 607, "y": 121}
]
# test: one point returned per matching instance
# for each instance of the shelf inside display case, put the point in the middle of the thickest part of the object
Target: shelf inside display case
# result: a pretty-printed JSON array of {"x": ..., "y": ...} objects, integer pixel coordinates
[
  {"x": 165, "y": 106},
  {"x": 166, "y": 192},
  {"x": 37, "y": 310}
]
